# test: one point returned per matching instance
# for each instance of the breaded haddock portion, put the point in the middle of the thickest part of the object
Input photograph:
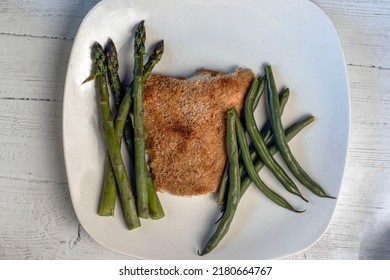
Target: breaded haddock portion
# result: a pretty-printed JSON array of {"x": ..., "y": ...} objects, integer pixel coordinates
[{"x": 185, "y": 124}]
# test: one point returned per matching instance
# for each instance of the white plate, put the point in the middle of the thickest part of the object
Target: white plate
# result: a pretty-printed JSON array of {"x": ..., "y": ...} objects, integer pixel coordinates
[{"x": 297, "y": 38}]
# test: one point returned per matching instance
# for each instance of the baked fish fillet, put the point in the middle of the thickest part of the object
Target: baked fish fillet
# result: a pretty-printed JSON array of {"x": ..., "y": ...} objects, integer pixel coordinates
[{"x": 185, "y": 127}]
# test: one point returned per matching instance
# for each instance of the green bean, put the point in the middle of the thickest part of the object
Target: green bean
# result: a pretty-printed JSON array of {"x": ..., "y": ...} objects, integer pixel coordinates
[
  {"x": 259, "y": 92},
  {"x": 266, "y": 131},
  {"x": 234, "y": 186},
  {"x": 225, "y": 177},
  {"x": 280, "y": 139},
  {"x": 223, "y": 186},
  {"x": 250, "y": 168},
  {"x": 290, "y": 133},
  {"x": 262, "y": 150}
]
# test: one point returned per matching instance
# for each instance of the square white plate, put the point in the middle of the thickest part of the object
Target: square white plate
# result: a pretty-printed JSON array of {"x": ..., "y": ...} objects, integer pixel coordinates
[{"x": 297, "y": 38}]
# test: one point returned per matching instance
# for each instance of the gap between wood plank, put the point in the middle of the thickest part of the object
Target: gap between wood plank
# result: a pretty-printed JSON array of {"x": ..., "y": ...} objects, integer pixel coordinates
[
  {"x": 29, "y": 99},
  {"x": 36, "y": 36},
  {"x": 368, "y": 66}
]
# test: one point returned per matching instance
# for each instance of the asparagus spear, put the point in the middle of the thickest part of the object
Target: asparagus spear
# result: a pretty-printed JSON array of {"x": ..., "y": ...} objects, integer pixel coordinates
[
  {"x": 154, "y": 58},
  {"x": 108, "y": 197},
  {"x": 123, "y": 125},
  {"x": 112, "y": 143},
  {"x": 139, "y": 130},
  {"x": 155, "y": 208}
]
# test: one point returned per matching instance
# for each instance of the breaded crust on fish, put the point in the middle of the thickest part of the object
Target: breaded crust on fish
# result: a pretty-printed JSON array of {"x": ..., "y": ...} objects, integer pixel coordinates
[{"x": 185, "y": 123}]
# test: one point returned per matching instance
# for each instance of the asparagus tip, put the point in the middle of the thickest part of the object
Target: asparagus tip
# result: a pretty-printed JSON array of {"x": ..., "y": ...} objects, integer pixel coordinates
[
  {"x": 109, "y": 41},
  {"x": 160, "y": 44},
  {"x": 140, "y": 37}
]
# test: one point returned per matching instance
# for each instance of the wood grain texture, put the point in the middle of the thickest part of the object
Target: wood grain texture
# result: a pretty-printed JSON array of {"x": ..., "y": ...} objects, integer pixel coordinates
[
  {"x": 363, "y": 27},
  {"x": 39, "y": 64},
  {"x": 40, "y": 19},
  {"x": 38, "y": 221}
]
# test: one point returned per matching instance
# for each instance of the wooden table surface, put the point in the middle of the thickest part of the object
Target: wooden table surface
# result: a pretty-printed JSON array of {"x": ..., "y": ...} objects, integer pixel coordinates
[{"x": 37, "y": 218}]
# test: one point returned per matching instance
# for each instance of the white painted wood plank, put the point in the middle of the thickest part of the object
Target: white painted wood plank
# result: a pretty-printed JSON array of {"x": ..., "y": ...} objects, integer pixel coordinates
[
  {"x": 33, "y": 68},
  {"x": 40, "y": 18},
  {"x": 31, "y": 145},
  {"x": 40, "y": 223},
  {"x": 363, "y": 28}
]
